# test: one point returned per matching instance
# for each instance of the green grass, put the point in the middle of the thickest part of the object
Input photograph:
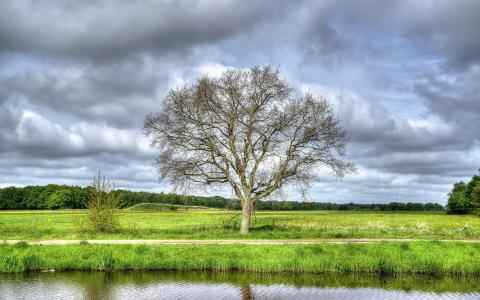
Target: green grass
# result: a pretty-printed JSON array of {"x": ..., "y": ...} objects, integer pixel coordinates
[
  {"x": 432, "y": 257},
  {"x": 165, "y": 207},
  {"x": 221, "y": 224}
]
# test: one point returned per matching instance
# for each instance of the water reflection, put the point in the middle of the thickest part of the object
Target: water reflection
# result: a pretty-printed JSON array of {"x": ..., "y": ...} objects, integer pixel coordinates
[{"x": 234, "y": 285}]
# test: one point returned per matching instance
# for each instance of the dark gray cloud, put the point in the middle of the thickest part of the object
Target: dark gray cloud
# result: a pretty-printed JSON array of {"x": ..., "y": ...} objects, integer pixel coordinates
[
  {"x": 110, "y": 30},
  {"x": 455, "y": 98},
  {"x": 77, "y": 79},
  {"x": 444, "y": 29},
  {"x": 448, "y": 163},
  {"x": 119, "y": 94},
  {"x": 8, "y": 115},
  {"x": 373, "y": 126}
]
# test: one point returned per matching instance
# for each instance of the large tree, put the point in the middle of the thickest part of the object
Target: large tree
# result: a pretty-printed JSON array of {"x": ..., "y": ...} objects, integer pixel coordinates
[{"x": 248, "y": 129}]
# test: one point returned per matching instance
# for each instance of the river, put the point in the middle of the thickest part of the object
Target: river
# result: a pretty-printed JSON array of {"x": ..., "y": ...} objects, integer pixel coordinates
[{"x": 231, "y": 285}]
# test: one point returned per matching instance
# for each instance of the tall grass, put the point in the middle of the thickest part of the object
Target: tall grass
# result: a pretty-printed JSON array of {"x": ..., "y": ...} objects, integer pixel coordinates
[{"x": 433, "y": 258}]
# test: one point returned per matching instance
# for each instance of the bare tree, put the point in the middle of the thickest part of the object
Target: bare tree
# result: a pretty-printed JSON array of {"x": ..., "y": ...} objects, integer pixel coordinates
[{"x": 247, "y": 129}]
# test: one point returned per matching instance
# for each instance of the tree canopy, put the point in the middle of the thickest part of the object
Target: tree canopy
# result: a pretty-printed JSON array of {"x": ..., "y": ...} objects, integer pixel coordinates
[{"x": 465, "y": 197}]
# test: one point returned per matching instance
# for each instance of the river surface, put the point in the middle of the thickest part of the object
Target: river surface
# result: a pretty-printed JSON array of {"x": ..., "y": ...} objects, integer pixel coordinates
[{"x": 233, "y": 285}]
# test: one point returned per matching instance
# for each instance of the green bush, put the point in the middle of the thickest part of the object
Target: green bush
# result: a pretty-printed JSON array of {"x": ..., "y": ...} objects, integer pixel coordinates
[
  {"x": 21, "y": 244},
  {"x": 103, "y": 205}
]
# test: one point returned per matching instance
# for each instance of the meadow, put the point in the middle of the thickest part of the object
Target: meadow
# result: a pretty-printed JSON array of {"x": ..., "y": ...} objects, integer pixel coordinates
[{"x": 223, "y": 224}]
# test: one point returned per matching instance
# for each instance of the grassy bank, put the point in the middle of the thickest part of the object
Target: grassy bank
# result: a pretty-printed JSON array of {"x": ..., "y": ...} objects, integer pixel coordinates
[
  {"x": 221, "y": 224},
  {"x": 383, "y": 258}
]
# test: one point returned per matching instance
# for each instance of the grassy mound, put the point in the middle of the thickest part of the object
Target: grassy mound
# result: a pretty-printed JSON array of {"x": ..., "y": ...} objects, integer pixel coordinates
[{"x": 165, "y": 207}]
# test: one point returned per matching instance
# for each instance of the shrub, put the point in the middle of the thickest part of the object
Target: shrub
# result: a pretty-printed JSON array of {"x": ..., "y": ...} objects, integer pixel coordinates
[
  {"x": 102, "y": 205},
  {"x": 21, "y": 244}
]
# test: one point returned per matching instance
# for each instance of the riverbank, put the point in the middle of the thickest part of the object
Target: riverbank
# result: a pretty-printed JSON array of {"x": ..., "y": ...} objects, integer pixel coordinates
[{"x": 436, "y": 258}]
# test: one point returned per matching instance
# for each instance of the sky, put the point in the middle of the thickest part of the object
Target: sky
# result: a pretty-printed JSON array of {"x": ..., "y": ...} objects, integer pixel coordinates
[{"x": 77, "y": 79}]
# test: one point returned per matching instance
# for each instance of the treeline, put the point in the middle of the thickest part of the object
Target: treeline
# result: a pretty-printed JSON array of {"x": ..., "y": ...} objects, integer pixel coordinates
[
  {"x": 62, "y": 196},
  {"x": 392, "y": 206},
  {"x": 465, "y": 197}
]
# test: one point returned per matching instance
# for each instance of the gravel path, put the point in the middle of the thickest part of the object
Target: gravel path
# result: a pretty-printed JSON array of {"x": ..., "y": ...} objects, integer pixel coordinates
[{"x": 226, "y": 242}]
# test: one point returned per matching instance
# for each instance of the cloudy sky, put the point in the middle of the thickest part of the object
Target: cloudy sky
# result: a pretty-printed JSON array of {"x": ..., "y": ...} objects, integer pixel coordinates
[{"x": 78, "y": 77}]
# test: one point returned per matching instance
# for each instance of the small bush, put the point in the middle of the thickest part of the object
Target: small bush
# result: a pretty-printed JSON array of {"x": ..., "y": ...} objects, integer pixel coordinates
[
  {"x": 103, "y": 205},
  {"x": 21, "y": 244}
]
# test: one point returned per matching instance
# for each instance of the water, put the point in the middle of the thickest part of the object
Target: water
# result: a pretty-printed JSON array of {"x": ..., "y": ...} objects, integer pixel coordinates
[{"x": 235, "y": 285}]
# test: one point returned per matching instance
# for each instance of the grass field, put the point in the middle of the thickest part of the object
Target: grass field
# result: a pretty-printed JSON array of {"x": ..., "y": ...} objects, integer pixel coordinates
[
  {"x": 428, "y": 257},
  {"x": 221, "y": 224},
  {"x": 433, "y": 258},
  {"x": 165, "y": 207}
]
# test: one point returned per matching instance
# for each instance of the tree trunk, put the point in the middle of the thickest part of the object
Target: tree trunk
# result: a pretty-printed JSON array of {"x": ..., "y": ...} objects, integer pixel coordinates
[{"x": 246, "y": 215}]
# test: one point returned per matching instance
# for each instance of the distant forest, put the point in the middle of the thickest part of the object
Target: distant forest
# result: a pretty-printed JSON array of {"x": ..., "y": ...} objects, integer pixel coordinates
[
  {"x": 62, "y": 196},
  {"x": 465, "y": 197}
]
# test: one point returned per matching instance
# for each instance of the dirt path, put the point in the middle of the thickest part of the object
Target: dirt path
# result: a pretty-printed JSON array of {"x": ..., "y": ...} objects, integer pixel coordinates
[{"x": 226, "y": 242}]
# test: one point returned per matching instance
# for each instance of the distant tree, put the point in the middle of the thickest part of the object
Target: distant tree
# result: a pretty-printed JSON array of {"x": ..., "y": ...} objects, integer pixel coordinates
[
  {"x": 59, "y": 199},
  {"x": 249, "y": 130},
  {"x": 13, "y": 198},
  {"x": 102, "y": 204},
  {"x": 465, "y": 198},
  {"x": 475, "y": 199},
  {"x": 457, "y": 199},
  {"x": 8, "y": 197},
  {"x": 474, "y": 181}
]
